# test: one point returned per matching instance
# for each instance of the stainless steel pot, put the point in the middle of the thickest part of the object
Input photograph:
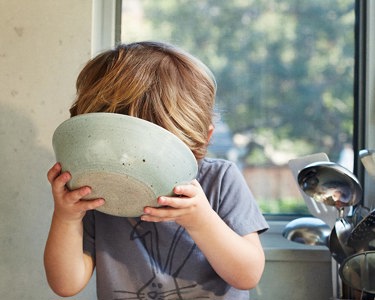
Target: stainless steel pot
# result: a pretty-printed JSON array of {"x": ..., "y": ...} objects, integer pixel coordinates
[{"x": 358, "y": 271}]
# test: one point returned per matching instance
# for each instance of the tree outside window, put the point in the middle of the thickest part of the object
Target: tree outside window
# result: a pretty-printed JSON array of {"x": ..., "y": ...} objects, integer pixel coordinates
[{"x": 285, "y": 80}]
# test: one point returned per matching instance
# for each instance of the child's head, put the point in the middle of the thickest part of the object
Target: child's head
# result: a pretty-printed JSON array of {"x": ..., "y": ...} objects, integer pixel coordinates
[{"x": 153, "y": 81}]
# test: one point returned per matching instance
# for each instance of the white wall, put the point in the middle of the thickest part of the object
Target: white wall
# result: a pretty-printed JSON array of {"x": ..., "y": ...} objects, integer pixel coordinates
[{"x": 43, "y": 45}]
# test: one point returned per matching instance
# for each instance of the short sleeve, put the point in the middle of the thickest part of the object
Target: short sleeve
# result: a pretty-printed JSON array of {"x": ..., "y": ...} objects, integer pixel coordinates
[
  {"x": 238, "y": 207},
  {"x": 230, "y": 196}
]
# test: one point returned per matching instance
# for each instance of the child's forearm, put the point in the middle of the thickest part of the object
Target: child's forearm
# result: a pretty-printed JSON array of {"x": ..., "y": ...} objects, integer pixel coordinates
[
  {"x": 238, "y": 260},
  {"x": 68, "y": 269}
]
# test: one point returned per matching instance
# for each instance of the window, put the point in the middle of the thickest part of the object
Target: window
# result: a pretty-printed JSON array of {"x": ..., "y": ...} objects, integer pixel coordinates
[{"x": 285, "y": 72}]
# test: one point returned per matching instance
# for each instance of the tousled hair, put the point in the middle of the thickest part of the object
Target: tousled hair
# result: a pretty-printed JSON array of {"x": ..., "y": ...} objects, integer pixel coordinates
[{"x": 153, "y": 81}]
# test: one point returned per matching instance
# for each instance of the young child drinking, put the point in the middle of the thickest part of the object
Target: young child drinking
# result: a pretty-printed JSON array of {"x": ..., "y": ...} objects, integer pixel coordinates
[{"x": 202, "y": 243}]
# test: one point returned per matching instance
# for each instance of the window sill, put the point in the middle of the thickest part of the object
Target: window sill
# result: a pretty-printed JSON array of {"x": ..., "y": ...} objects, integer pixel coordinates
[
  {"x": 292, "y": 270},
  {"x": 277, "y": 248}
]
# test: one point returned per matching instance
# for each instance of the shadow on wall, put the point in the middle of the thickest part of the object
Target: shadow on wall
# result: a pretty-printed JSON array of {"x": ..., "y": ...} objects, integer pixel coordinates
[{"x": 25, "y": 207}]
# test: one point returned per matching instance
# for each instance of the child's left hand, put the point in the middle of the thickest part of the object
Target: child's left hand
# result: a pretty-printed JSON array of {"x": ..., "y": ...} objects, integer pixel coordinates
[
  {"x": 189, "y": 208},
  {"x": 239, "y": 260}
]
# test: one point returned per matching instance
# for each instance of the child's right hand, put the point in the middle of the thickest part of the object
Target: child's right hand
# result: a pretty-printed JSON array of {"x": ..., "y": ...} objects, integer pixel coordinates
[{"x": 69, "y": 205}]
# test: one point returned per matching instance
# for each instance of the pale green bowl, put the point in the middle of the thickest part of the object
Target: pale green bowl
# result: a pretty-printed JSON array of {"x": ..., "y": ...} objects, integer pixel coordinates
[{"x": 127, "y": 161}]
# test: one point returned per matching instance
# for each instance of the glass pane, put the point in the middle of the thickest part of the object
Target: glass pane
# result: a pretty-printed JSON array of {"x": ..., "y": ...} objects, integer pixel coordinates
[{"x": 285, "y": 80}]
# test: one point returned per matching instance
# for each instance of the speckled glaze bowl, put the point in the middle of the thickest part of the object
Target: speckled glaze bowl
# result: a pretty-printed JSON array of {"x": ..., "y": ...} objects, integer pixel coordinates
[{"x": 127, "y": 161}]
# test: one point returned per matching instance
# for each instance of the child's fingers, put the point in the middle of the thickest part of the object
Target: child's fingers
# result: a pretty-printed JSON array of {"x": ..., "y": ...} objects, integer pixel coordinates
[
  {"x": 59, "y": 182},
  {"x": 85, "y": 205},
  {"x": 77, "y": 194},
  {"x": 188, "y": 190},
  {"x": 53, "y": 172},
  {"x": 150, "y": 218},
  {"x": 175, "y": 202},
  {"x": 157, "y": 214}
]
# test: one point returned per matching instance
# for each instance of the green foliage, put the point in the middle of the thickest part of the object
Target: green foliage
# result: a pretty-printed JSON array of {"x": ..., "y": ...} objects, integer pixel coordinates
[
  {"x": 280, "y": 206},
  {"x": 285, "y": 67}
]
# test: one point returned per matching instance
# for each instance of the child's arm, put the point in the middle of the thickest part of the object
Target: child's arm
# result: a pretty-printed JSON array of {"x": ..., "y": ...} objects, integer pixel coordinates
[
  {"x": 68, "y": 269},
  {"x": 238, "y": 260}
]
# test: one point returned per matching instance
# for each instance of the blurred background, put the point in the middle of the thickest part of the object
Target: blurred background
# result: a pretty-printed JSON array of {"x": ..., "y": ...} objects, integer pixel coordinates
[{"x": 284, "y": 71}]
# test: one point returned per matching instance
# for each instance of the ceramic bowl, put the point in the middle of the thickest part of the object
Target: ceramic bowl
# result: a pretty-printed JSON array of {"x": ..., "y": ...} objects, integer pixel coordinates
[{"x": 127, "y": 161}]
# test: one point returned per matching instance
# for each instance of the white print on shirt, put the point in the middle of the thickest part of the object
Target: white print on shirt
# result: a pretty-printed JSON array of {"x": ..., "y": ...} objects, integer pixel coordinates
[{"x": 163, "y": 283}]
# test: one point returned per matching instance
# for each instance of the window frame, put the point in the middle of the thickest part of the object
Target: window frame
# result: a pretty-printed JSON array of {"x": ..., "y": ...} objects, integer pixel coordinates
[
  {"x": 365, "y": 93},
  {"x": 106, "y": 25}
]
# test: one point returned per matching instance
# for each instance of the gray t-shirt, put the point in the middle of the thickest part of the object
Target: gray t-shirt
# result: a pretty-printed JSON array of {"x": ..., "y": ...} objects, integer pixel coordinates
[{"x": 142, "y": 260}]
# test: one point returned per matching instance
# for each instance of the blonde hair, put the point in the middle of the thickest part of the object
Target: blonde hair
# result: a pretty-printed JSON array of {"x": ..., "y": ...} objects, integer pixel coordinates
[{"x": 153, "y": 81}]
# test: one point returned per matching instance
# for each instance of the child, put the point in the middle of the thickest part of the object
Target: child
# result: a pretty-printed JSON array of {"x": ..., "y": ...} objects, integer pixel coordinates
[{"x": 203, "y": 243}]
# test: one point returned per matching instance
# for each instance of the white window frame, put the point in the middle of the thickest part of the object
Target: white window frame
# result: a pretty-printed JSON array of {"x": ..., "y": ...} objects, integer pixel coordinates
[{"x": 105, "y": 17}]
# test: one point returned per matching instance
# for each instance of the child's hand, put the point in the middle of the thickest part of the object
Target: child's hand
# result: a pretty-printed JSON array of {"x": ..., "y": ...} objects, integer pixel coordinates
[
  {"x": 189, "y": 209},
  {"x": 68, "y": 204}
]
